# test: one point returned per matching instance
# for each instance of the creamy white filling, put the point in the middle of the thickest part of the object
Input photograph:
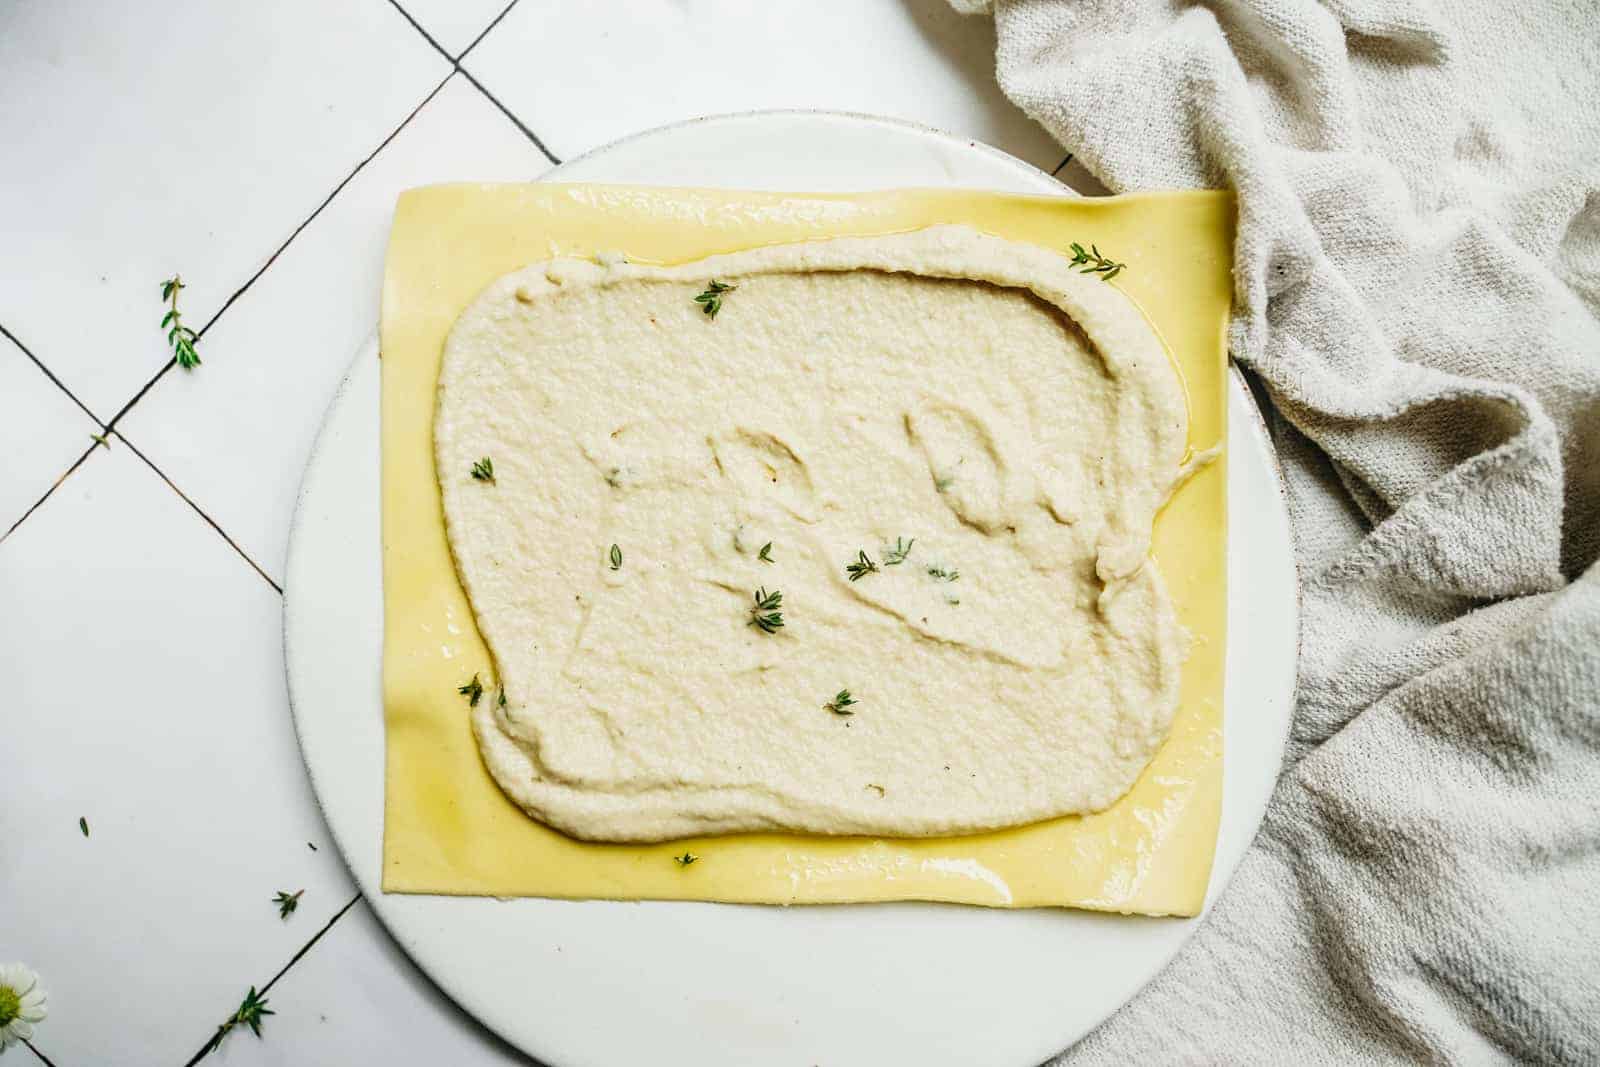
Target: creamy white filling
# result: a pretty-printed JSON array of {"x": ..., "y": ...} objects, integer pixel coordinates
[{"x": 1017, "y": 423}]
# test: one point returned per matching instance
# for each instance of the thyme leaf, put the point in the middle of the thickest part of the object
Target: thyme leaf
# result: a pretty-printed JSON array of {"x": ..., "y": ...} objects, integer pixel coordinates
[
  {"x": 897, "y": 555},
  {"x": 1092, "y": 262},
  {"x": 710, "y": 301},
  {"x": 764, "y": 612},
  {"x": 861, "y": 567},
  {"x": 841, "y": 703},
  {"x": 250, "y": 1012},
  {"x": 287, "y": 902},
  {"x": 179, "y": 336}
]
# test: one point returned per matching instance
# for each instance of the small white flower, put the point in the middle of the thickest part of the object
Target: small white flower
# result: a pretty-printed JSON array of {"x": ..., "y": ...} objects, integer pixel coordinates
[{"x": 21, "y": 1004}]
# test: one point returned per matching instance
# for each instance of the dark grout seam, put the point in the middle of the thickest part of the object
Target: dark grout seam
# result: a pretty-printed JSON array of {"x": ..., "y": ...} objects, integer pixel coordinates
[
  {"x": 426, "y": 36},
  {"x": 201, "y": 512},
  {"x": 455, "y": 62},
  {"x": 104, "y": 429},
  {"x": 48, "y": 373},
  {"x": 483, "y": 33},
  {"x": 518, "y": 123},
  {"x": 206, "y": 1048},
  {"x": 53, "y": 487}
]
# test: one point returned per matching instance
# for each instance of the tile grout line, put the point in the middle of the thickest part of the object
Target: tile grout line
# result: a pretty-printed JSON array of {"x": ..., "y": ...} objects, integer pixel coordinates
[
  {"x": 426, "y": 36},
  {"x": 206, "y": 1049},
  {"x": 455, "y": 61},
  {"x": 200, "y": 512},
  {"x": 48, "y": 373},
  {"x": 518, "y": 123},
  {"x": 483, "y": 33},
  {"x": 53, "y": 487}
]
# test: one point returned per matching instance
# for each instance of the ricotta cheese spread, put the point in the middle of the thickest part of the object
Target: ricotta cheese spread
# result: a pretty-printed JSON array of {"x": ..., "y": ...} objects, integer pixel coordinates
[{"x": 845, "y": 537}]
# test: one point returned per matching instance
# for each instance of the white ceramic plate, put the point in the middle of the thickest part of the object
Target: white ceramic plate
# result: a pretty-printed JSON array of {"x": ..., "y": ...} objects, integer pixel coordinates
[{"x": 705, "y": 984}]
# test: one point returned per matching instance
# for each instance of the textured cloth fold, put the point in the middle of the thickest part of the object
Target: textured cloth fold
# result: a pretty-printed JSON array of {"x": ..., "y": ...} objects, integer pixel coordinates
[{"x": 1418, "y": 290}]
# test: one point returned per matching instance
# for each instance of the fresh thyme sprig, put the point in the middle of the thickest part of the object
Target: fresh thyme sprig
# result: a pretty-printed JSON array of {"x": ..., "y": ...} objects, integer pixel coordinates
[
  {"x": 685, "y": 859},
  {"x": 249, "y": 1014},
  {"x": 473, "y": 691},
  {"x": 897, "y": 555},
  {"x": 616, "y": 558},
  {"x": 764, "y": 612},
  {"x": 710, "y": 301},
  {"x": 483, "y": 470},
  {"x": 179, "y": 336},
  {"x": 841, "y": 703},
  {"x": 287, "y": 902},
  {"x": 862, "y": 566},
  {"x": 1093, "y": 262},
  {"x": 765, "y": 555},
  {"x": 944, "y": 574}
]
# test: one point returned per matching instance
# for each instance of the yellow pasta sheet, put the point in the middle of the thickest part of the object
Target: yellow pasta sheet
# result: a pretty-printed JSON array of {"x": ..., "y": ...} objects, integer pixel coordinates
[{"x": 448, "y": 829}]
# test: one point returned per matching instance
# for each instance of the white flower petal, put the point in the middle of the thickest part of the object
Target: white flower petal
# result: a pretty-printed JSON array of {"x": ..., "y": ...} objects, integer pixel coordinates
[
  {"x": 14, "y": 1031},
  {"x": 17, "y": 978}
]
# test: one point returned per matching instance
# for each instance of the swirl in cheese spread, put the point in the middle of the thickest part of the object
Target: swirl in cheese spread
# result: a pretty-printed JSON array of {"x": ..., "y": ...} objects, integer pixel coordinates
[{"x": 1019, "y": 424}]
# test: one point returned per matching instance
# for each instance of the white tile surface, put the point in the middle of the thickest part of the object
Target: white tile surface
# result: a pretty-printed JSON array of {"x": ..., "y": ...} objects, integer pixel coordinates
[
  {"x": 580, "y": 80},
  {"x": 191, "y": 137},
  {"x": 235, "y": 435},
  {"x": 356, "y": 998},
  {"x": 454, "y": 24},
  {"x": 42, "y": 432},
  {"x": 143, "y": 690}
]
